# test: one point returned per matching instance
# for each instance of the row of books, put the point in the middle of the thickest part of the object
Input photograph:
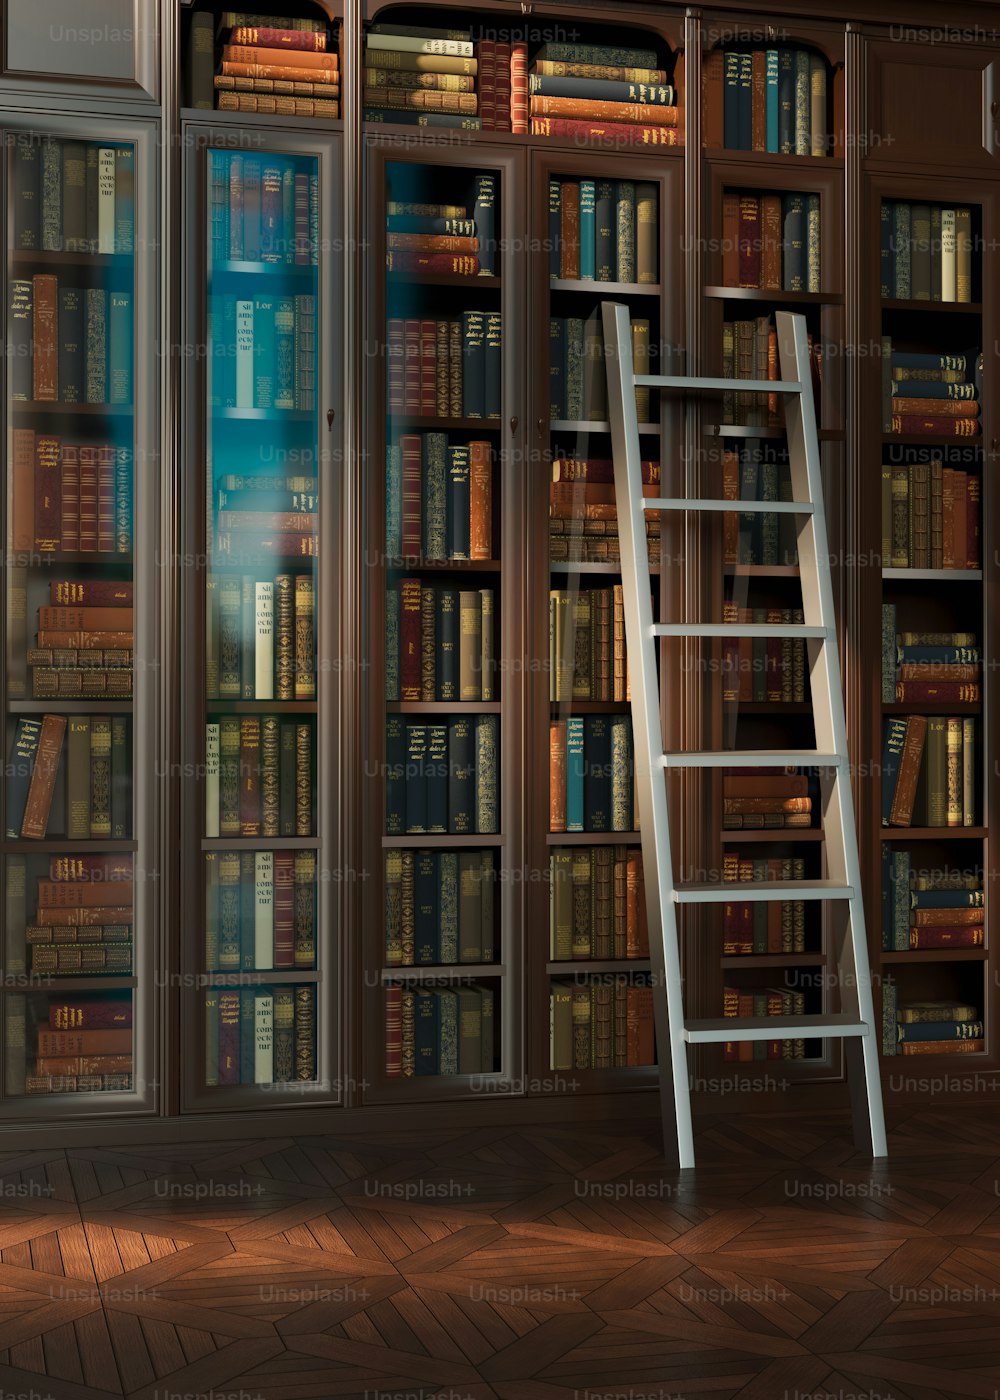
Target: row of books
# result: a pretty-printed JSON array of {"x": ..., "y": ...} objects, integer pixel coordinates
[
  {"x": 438, "y": 499},
  {"x": 930, "y": 394},
  {"x": 764, "y": 669},
  {"x": 439, "y": 1030},
  {"x": 603, "y": 230},
  {"x": 461, "y": 238},
  {"x": 442, "y": 777},
  {"x": 262, "y": 352},
  {"x": 69, "y": 344},
  {"x": 84, "y": 673},
  {"x": 439, "y": 907},
  {"x": 767, "y": 1001},
  {"x": 263, "y": 210},
  {"x": 601, "y": 1023},
  {"x": 261, "y": 638},
  {"x": 591, "y": 773},
  {"x": 72, "y": 196},
  {"x": 260, "y": 910},
  {"x": 930, "y": 1027},
  {"x": 929, "y": 769},
  {"x": 594, "y": 541},
  {"x": 578, "y": 383},
  {"x": 930, "y": 517},
  {"x": 925, "y": 252},
  {"x": 770, "y": 99},
  {"x": 445, "y": 368},
  {"x": 761, "y": 536},
  {"x": 71, "y": 779},
  {"x": 282, "y": 67},
  {"x": 597, "y": 904},
  {"x": 750, "y": 351},
  {"x": 69, "y": 497},
  {"x": 587, "y": 653},
  {"x": 259, "y": 1035},
  {"x": 260, "y": 775},
  {"x": 926, "y": 910},
  {"x": 439, "y": 643},
  {"x": 765, "y": 799},
  {"x": 759, "y": 926},
  {"x": 771, "y": 241}
]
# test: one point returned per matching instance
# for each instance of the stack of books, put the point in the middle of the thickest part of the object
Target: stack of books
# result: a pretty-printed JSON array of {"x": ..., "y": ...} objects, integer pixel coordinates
[
  {"x": 769, "y": 670},
  {"x": 771, "y": 241},
  {"x": 583, "y": 522},
  {"x": 765, "y": 799},
  {"x": 929, "y": 394},
  {"x": 587, "y": 653},
  {"x": 767, "y": 1001},
  {"x": 259, "y": 776},
  {"x": 928, "y": 665},
  {"x": 69, "y": 345},
  {"x": 591, "y": 773},
  {"x": 772, "y": 100},
  {"x": 749, "y": 473},
  {"x": 597, "y": 906},
  {"x": 756, "y": 926},
  {"x": 439, "y": 1030},
  {"x": 261, "y": 640},
  {"x": 70, "y": 497},
  {"x": 442, "y": 777},
  {"x": 84, "y": 649},
  {"x": 268, "y": 63},
  {"x": 603, "y": 230},
  {"x": 70, "y": 778},
  {"x": 263, "y": 514},
  {"x": 83, "y": 926},
  {"x": 926, "y": 252},
  {"x": 458, "y": 238},
  {"x": 86, "y": 1047},
  {"x": 930, "y": 517},
  {"x": 260, "y": 1035},
  {"x": 439, "y": 907},
  {"x": 260, "y": 910},
  {"x": 423, "y": 77},
  {"x": 936, "y": 909},
  {"x": 437, "y": 368},
  {"x": 439, "y": 499},
  {"x": 602, "y": 92},
  {"x": 578, "y": 381},
  {"x": 930, "y": 1027},
  {"x": 439, "y": 643},
  {"x": 602, "y": 1023}
]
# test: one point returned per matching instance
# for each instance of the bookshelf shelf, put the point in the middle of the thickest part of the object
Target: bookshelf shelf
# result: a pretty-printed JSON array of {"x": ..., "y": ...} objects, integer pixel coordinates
[
  {"x": 72, "y": 559},
  {"x": 441, "y": 841},
  {"x": 260, "y": 843},
  {"x": 55, "y": 985},
  {"x": 769, "y": 707},
  {"x": 56, "y": 706},
  {"x": 281, "y": 271},
  {"x": 937, "y": 955},
  {"x": 591, "y": 707},
  {"x": 771, "y": 571},
  {"x": 452, "y": 972},
  {"x": 617, "y": 289},
  {"x": 584, "y": 967},
  {"x": 774, "y": 296},
  {"x": 766, "y": 960},
  {"x": 262, "y": 977},
  {"x": 788, "y": 834},
  {"x": 934, "y": 575},
  {"x": 42, "y": 257},
  {"x": 257, "y": 707},
  {"x": 933, "y": 707},
  {"x": 449, "y": 566},
  {"x": 576, "y": 425},
  {"x": 412, "y": 421},
  {"x": 480, "y": 281},
  {"x": 559, "y": 566},
  {"x": 770, "y": 162},
  {"x": 963, "y": 444},
  {"x": 56, "y": 846},
  {"x": 263, "y": 122},
  {"x": 443, "y": 707},
  {"x": 934, "y": 833},
  {"x": 265, "y": 415},
  {"x": 934, "y": 308},
  {"x": 45, "y": 408},
  {"x": 594, "y": 838}
]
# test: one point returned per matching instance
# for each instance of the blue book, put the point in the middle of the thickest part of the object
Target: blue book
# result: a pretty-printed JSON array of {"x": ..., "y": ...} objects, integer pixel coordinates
[
  {"x": 484, "y": 217},
  {"x": 950, "y": 656},
  {"x": 730, "y": 101},
  {"x": 124, "y": 199},
  {"x": 597, "y": 773},
  {"x": 264, "y": 352},
  {"x": 588, "y": 230},
  {"x": 555, "y": 205},
  {"x": 931, "y": 389},
  {"x": 120, "y": 347},
  {"x": 493, "y": 365},
  {"x": 436, "y": 778},
  {"x": 123, "y": 500},
  {"x": 786, "y": 102},
  {"x": 395, "y": 775},
  {"x": 473, "y": 364},
  {"x": 606, "y": 232},
  {"x": 947, "y": 899},
  {"x": 425, "y": 908},
  {"x": 604, "y": 90},
  {"x": 461, "y": 777},
  {"x": 771, "y": 104},
  {"x": 458, "y": 502},
  {"x": 557, "y": 368},
  {"x": 744, "y": 103},
  {"x": 393, "y": 500},
  {"x": 426, "y": 1032},
  {"x": 446, "y": 643},
  {"x": 893, "y": 739},
  {"x": 940, "y": 1030},
  {"x": 921, "y": 359},
  {"x": 416, "y": 777},
  {"x": 575, "y": 764}
]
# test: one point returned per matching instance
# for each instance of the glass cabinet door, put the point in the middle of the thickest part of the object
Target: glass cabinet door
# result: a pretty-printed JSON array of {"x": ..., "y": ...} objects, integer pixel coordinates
[
  {"x": 262, "y": 922},
  {"x": 80, "y": 652}
]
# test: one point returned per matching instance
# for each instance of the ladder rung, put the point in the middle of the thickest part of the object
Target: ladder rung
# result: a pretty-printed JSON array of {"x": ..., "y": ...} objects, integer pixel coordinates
[
  {"x": 741, "y": 507},
  {"x": 756, "y": 891},
  {"x": 724, "y": 1028},
  {"x": 686, "y": 382},
  {"x": 737, "y": 629},
  {"x": 751, "y": 758}
]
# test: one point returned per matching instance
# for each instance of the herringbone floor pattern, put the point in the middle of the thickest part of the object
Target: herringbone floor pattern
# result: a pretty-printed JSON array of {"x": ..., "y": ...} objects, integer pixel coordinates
[{"x": 539, "y": 1263}]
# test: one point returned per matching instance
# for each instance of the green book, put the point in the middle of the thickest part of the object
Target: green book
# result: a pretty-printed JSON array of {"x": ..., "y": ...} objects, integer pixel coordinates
[
  {"x": 888, "y": 653},
  {"x": 890, "y": 1039},
  {"x": 448, "y": 906},
  {"x": 470, "y": 911},
  {"x": 447, "y": 1030},
  {"x": 936, "y": 771},
  {"x": 211, "y": 1037}
]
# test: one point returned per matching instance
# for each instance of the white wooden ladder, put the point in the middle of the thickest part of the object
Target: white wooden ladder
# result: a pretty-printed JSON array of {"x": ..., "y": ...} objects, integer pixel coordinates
[{"x": 842, "y": 887}]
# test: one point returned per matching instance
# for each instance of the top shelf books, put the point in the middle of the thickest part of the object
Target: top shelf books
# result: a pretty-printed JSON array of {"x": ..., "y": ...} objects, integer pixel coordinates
[
  {"x": 263, "y": 63},
  {"x": 777, "y": 101}
]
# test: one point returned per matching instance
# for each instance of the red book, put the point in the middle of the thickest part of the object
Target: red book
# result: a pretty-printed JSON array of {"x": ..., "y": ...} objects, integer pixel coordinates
[
  {"x": 80, "y": 894},
  {"x": 394, "y": 367},
  {"x": 519, "y": 88},
  {"x": 936, "y": 426},
  {"x": 945, "y": 691},
  {"x": 284, "y": 908},
  {"x": 503, "y": 87},
  {"x": 44, "y": 363},
  {"x": 113, "y": 868},
  {"x": 91, "y": 592},
  {"x": 973, "y": 552},
  {"x": 82, "y": 1014},
  {"x": 85, "y": 619},
  {"x": 69, "y": 502},
  {"x": 730, "y": 240},
  {"x": 86, "y": 916},
  {"x": 229, "y": 1036},
  {"x": 410, "y": 640},
  {"x": 946, "y": 937},
  {"x": 480, "y": 500},
  {"x": 404, "y": 260},
  {"x": 73, "y": 1042},
  {"x": 278, "y": 38},
  {"x": 557, "y": 776},
  {"x": 43, "y": 778},
  {"x": 487, "y": 84},
  {"x": 411, "y": 367},
  {"x": 606, "y": 135},
  {"x": 48, "y": 495},
  {"x": 771, "y": 785},
  {"x": 250, "y": 775},
  {"x": 248, "y": 543},
  {"x": 22, "y": 530},
  {"x": 393, "y": 1032},
  {"x": 287, "y": 71},
  {"x": 749, "y": 241},
  {"x": 106, "y": 499},
  {"x": 598, "y": 469},
  {"x": 428, "y": 368},
  {"x": 88, "y": 499},
  {"x": 411, "y": 445}
]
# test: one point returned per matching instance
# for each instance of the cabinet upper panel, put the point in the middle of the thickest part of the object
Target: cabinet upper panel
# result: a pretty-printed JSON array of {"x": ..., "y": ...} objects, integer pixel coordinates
[
  {"x": 110, "y": 43},
  {"x": 931, "y": 103}
]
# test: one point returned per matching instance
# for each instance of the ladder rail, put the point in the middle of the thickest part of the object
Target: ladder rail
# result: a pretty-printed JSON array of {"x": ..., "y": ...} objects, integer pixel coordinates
[{"x": 651, "y": 786}]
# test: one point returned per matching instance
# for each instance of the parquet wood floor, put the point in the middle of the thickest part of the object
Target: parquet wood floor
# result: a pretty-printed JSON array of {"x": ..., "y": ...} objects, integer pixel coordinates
[{"x": 547, "y": 1262}]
